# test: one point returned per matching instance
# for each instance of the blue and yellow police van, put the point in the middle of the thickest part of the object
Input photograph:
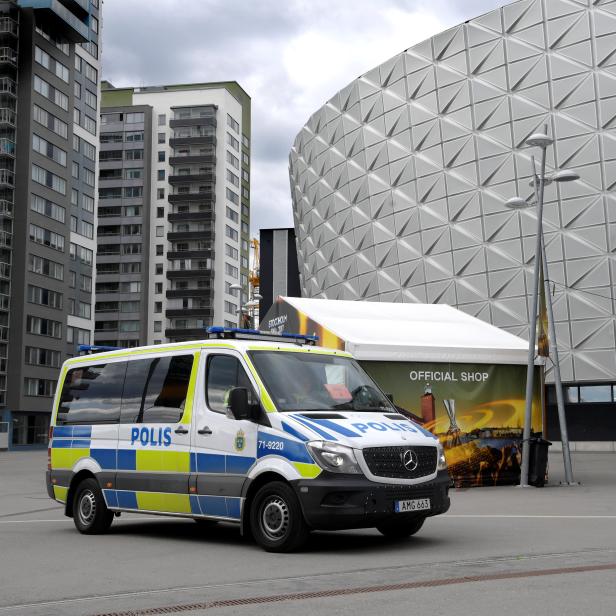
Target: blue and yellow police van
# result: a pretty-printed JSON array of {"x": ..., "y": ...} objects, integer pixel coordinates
[{"x": 268, "y": 431}]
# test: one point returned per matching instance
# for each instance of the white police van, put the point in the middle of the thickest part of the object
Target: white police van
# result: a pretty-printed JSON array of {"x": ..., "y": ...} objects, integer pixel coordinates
[{"x": 269, "y": 431}]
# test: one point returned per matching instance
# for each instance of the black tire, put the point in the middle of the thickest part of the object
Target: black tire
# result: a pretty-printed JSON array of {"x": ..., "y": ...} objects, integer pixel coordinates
[
  {"x": 90, "y": 512},
  {"x": 276, "y": 520},
  {"x": 400, "y": 529}
]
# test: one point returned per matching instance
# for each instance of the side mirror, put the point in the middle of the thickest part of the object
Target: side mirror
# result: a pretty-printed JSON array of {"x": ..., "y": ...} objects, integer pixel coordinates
[
  {"x": 238, "y": 403},
  {"x": 390, "y": 397}
]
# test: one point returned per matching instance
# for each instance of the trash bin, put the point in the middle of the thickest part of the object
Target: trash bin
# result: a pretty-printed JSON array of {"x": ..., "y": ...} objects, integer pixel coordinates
[{"x": 538, "y": 461}]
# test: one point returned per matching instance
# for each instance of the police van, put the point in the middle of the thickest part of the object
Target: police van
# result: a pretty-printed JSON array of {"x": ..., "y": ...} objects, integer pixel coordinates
[{"x": 268, "y": 431}]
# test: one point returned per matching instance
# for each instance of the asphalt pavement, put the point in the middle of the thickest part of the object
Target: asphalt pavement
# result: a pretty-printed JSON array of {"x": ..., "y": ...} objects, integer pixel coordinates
[{"x": 498, "y": 551}]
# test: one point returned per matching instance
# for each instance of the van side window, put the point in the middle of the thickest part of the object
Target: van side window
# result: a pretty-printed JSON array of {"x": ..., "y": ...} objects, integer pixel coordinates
[
  {"x": 223, "y": 373},
  {"x": 156, "y": 389},
  {"x": 92, "y": 394}
]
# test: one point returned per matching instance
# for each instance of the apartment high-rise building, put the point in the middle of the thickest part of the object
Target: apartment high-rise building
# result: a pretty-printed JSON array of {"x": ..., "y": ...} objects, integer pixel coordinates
[
  {"x": 49, "y": 99},
  {"x": 175, "y": 211}
]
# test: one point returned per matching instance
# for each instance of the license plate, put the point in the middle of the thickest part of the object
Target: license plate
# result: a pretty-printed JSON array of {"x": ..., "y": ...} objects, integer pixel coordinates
[{"x": 407, "y": 506}]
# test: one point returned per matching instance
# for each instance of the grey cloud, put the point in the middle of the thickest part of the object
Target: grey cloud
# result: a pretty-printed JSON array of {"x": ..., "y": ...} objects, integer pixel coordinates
[{"x": 175, "y": 41}]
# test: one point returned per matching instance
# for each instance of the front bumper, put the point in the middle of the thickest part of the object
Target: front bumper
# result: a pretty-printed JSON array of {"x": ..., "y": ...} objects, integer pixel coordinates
[{"x": 336, "y": 502}]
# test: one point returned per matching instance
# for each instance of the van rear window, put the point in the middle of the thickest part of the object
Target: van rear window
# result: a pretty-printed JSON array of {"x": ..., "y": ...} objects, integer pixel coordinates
[
  {"x": 92, "y": 394},
  {"x": 150, "y": 390}
]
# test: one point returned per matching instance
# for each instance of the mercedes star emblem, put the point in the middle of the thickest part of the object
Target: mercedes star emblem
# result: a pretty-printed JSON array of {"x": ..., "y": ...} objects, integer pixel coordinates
[{"x": 410, "y": 460}]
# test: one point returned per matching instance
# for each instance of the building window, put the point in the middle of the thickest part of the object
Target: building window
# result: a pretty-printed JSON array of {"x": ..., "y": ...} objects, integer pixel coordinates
[
  {"x": 134, "y": 118},
  {"x": 159, "y": 269},
  {"x": 158, "y": 288},
  {"x": 158, "y": 326},
  {"x": 231, "y": 123},
  {"x": 161, "y": 157},
  {"x": 158, "y": 307},
  {"x": 231, "y": 177},
  {"x": 160, "y": 250},
  {"x": 233, "y": 142},
  {"x": 162, "y": 119},
  {"x": 45, "y": 267},
  {"x": 49, "y": 150},
  {"x": 162, "y": 138},
  {"x": 232, "y": 215},
  {"x": 43, "y": 327},
  {"x": 160, "y": 231},
  {"x": 230, "y": 307},
  {"x": 231, "y": 270},
  {"x": 160, "y": 212},
  {"x": 160, "y": 193},
  {"x": 233, "y": 160},
  {"x": 87, "y": 203},
  {"x": 48, "y": 208},
  {"x": 160, "y": 175},
  {"x": 231, "y": 233},
  {"x": 47, "y": 238},
  {"x": 44, "y": 297},
  {"x": 230, "y": 251},
  {"x": 40, "y": 387}
]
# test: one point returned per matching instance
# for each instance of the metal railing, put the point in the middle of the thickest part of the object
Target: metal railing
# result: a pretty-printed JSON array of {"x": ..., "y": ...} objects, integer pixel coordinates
[
  {"x": 7, "y": 116},
  {"x": 8, "y": 26},
  {"x": 8, "y": 55},
  {"x": 7, "y": 147},
  {"x": 8, "y": 86},
  {"x": 6, "y": 208},
  {"x": 7, "y": 177}
]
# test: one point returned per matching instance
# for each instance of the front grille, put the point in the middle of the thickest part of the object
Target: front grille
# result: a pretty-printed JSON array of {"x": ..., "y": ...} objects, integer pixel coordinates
[{"x": 388, "y": 461}]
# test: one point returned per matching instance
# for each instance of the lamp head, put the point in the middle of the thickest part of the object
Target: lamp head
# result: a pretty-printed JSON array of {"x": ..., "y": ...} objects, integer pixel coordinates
[
  {"x": 516, "y": 203},
  {"x": 235, "y": 287},
  {"x": 540, "y": 140},
  {"x": 565, "y": 175}
]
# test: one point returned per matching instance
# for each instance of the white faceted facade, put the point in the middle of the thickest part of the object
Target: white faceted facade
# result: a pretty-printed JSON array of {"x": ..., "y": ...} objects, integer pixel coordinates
[{"x": 399, "y": 181}]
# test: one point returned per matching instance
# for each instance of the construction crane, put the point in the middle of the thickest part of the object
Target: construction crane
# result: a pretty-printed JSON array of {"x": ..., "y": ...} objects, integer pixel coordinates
[{"x": 253, "y": 275}]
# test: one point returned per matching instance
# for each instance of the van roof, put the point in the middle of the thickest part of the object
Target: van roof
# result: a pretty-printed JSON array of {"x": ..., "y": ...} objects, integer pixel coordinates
[{"x": 239, "y": 345}]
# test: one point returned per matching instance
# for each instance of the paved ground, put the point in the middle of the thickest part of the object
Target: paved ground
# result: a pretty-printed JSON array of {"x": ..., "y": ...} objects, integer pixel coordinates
[{"x": 498, "y": 551}]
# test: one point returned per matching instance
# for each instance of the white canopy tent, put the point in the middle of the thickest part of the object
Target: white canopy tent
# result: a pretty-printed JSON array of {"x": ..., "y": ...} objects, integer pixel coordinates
[{"x": 377, "y": 331}]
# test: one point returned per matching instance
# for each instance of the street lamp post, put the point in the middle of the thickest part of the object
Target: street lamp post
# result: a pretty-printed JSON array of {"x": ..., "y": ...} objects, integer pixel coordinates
[
  {"x": 249, "y": 308},
  {"x": 543, "y": 141}
]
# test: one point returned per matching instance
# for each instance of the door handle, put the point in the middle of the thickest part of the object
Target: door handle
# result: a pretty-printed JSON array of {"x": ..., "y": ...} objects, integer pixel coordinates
[
  {"x": 205, "y": 430},
  {"x": 181, "y": 430}
]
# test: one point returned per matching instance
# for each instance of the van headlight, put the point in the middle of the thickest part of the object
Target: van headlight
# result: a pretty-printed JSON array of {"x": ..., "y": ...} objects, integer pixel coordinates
[
  {"x": 334, "y": 457},
  {"x": 441, "y": 463}
]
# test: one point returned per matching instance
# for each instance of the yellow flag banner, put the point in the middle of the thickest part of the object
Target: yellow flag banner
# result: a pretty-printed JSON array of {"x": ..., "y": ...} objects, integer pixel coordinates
[{"x": 543, "y": 340}]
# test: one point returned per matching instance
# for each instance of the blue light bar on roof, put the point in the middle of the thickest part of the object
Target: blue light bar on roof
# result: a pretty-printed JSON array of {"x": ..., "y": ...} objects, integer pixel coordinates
[
  {"x": 97, "y": 348},
  {"x": 252, "y": 334}
]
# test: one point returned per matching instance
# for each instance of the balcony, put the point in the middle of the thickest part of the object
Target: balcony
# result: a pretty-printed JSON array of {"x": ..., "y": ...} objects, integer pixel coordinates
[
  {"x": 200, "y": 197},
  {"x": 189, "y": 312},
  {"x": 79, "y": 7},
  {"x": 5, "y": 270},
  {"x": 6, "y": 208},
  {"x": 5, "y": 302},
  {"x": 190, "y": 179},
  {"x": 8, "y": 56},
  {"x": 195, "y": 139},
  {"x": 9, "y": 26},
  {"x": 7, "y": 178},
  {"x": 202, "y": 121},
  {"x": 7, "y": 117},
  {"x": 196, "y": 333},
  {"x": 8, "y": 86},
  {"x": 181, "y": 293},
  {"x": 191, "y": 216},
  {"x": 7, "y": 147},
  {"x": 189, "y": 159},
  {"x": 6, "y": 239},
  {"x": 69, "y": 24},
  {"x": 188, "y": 273},
  {"x": 178, "y": 236},
  {"x": 189, "y": 254}
]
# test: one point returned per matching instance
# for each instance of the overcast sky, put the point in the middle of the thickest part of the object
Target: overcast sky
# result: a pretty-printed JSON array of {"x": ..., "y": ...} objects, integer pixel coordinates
[{"x": 291, "y": 56}]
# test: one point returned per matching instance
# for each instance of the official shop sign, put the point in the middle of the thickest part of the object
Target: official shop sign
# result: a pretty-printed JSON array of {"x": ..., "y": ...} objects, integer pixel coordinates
[{"x": 448, "y": 376}]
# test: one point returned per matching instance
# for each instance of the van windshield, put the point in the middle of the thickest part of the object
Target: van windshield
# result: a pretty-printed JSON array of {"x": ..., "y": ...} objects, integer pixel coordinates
[{"x": 313, "y": 382}]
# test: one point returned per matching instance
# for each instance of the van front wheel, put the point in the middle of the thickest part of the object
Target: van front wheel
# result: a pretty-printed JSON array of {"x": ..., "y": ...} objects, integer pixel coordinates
[
  {"x": 90, "y": 513},
  {"x": 276, "y": 518}
]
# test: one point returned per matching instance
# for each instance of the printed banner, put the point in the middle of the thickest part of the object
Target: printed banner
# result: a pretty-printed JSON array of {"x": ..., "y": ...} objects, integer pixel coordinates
[
  {"x": 284, "y": 318},
  {"x": 476, "y": 411}
]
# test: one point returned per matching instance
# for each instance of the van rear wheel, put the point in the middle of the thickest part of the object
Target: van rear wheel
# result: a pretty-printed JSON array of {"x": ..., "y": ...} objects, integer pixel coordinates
[
  {"x": 90, "y": 512},
  {"x": 400, "y": 529},
  {"x": 276, "y": 518}
]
